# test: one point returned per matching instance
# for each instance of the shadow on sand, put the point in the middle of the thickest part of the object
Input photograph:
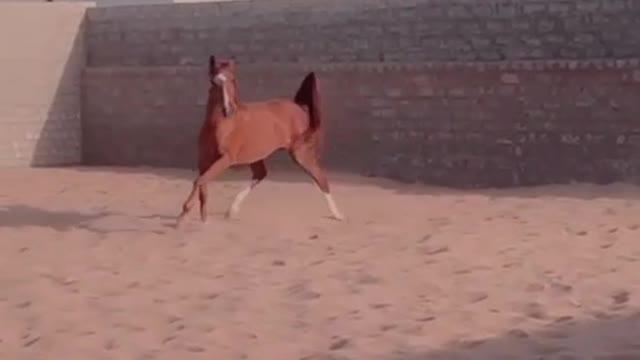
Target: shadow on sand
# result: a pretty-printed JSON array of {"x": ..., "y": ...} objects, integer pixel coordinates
[
  {"x": 608, "y": 337},
  {"x": 22, "y": 216},
  {"x": 605, "y": 337},
  {"x": 19, "y": 216}
]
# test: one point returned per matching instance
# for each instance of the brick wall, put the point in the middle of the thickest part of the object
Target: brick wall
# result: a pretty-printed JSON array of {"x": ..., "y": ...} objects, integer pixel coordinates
[
  {"x": 364, "y": 30},
  {"x": 455, "y": 124},
  {"x": 41, "y": 60},
  {"x": 522, "y": 103}
]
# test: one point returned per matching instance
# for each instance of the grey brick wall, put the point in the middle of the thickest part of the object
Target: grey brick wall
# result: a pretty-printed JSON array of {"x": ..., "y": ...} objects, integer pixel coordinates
[
  {"x": 364, "y": 30},
  {"x": 454, "y": 124},
  {"x": 411, "y": 90},
  {"x": 42, "y": 54}
]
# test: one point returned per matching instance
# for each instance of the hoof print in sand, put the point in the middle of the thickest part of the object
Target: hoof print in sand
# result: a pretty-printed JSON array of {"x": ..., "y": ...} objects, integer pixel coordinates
[
  {"x": 329, "y": 356},
  {"x": 194, "y": 348},
  {"x": 560, "y": 288},
  {"x": 379, "y": 306},
  {"x": 534, "y": 287},
  {"x": 426, "y": 319},
  {"x": 278, "y": 263},
  {"x": 545, "y": 349},
  {"x": 209, "y": 296},
  {"x": 476, "y": 297},
  {"x": 534, "y": 310},
  {"x": 301, "y": 291},
  {"x": 567, "y": 319},
  {"x": 518, "y": 333},
  {"x": 566, "y": 357},
  {"x": 109, "y": 344},
  {"x": 23, "y": 304},
  {"x": 387, "y": 327},
  {"x": 601, "y": 315},
  {"x": 470, "y": 343},
  {"x": 171, "y": 319},
  {"x": 339, "y": 343},
  {"x": 556, "y": 334},
  {"x": 367, "y": 279},
  {"x": 169, "y": 339},
  {"x": 464, "y": 271},
  {"x": 31, "y": 340},
  {"x": 620, "y": 297},
  {"x": 433, "y": 250}
]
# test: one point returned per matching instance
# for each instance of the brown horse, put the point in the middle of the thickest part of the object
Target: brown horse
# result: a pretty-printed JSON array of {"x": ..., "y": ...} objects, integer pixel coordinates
[{"x": 236, "y": 133}]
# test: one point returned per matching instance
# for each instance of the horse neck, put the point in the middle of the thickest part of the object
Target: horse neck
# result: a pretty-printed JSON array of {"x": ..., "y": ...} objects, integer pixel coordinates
[
  {"x": 216, "y": 106},
  {"x": 234, "y": 100}
]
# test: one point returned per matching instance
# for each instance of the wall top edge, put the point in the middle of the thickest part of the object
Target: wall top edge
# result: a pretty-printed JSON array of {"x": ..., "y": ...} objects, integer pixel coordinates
[
  {"x": 277, "y": 5},
  {"x": 247, "y": 4},
  {"x": 41, "y": 5},
  {"x": 522, "y": 65}
]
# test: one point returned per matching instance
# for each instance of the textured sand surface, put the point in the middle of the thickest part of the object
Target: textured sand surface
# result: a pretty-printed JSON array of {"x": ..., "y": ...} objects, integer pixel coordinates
[{"x": 91, "y": 268}]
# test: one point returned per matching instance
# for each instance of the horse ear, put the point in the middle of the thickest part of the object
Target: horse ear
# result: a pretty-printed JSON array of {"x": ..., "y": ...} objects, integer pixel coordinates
[{"x": 212, "y": 62}]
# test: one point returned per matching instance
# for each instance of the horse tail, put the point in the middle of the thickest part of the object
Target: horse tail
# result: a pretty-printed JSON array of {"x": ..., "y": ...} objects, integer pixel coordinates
[{"x": 307, "y": 96}]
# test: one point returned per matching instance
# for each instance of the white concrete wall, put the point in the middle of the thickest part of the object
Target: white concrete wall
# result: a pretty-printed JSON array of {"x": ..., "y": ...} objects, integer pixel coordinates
[{"x": 42, "y": 56}]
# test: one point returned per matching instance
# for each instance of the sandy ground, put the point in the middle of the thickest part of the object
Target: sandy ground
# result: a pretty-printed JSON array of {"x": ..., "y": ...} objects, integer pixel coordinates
[{"x": 91, "y": 268}]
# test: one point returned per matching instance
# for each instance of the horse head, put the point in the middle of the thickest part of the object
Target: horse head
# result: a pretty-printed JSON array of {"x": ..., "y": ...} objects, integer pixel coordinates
[{"x": 223, "y": 82}]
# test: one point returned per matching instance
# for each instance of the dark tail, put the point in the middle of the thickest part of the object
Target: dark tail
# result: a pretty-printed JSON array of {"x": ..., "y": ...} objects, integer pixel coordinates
[{"x": 307, "y": 96}]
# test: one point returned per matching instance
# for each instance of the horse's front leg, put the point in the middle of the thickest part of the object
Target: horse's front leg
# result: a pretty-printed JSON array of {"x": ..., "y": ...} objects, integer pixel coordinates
[
  {"x": 214, "y": 170},
  {"x": 203, "y": 202},
  {"x": 205, "y": 161}
]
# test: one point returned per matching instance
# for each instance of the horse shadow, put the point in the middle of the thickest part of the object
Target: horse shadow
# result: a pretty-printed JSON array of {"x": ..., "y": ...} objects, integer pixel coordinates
[
  {"x": 21, "y": 216},
  {"x": 18, "y": 216}
]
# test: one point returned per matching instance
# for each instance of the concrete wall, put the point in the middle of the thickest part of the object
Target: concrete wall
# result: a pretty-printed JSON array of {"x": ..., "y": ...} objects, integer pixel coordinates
[
  {"x": 364, "y": 30},
  {"x": 42, "y": 54},
  {"x": 464, "y": 124}
]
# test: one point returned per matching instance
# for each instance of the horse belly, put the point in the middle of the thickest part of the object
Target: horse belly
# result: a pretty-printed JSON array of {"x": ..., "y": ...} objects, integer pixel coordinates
[{"x": 259, "y": 140}]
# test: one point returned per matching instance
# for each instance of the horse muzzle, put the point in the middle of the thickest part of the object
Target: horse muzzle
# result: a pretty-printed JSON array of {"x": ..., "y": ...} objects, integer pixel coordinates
[{"x": 219, "y": 79}]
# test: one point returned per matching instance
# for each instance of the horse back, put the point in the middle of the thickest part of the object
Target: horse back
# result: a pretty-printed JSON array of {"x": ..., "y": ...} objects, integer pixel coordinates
[{"x": 282, "y": 111}]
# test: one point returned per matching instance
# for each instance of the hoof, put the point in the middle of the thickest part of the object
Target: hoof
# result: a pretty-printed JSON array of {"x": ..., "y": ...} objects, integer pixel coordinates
[
  {"x": 231, "y": 214},
  {"x": 180, "y": 220},
  {"x": 338, "y": 217}
]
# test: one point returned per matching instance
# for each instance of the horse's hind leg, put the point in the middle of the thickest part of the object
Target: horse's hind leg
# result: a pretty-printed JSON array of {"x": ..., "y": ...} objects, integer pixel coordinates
[
  {"x": 305, "y": 156},
  {"x": 258, "y": 173}
]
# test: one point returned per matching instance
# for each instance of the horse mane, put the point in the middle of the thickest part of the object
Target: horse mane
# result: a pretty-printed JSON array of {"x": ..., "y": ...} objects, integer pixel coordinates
[{"x": 235, "y": 98}]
